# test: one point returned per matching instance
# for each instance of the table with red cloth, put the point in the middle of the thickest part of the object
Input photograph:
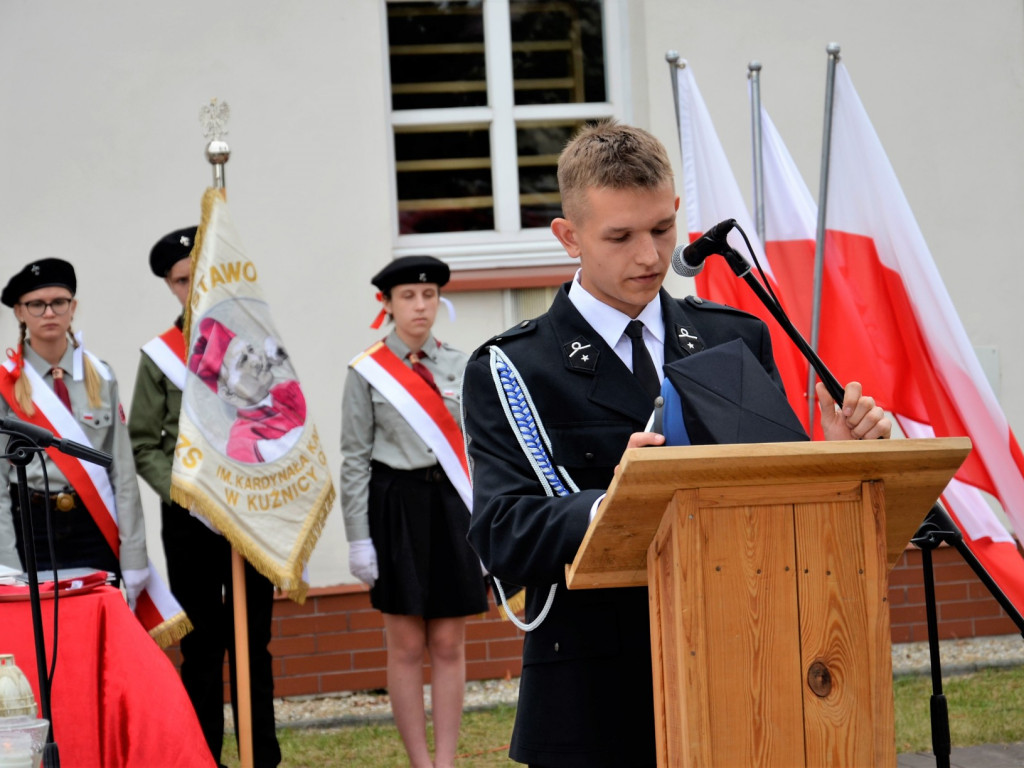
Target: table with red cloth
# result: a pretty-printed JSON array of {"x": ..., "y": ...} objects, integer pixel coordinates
[{"x": 117, "y": 701}]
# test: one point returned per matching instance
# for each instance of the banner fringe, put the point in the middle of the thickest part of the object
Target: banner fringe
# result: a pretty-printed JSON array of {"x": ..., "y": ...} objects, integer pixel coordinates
[{"x": 171, "y": 630}]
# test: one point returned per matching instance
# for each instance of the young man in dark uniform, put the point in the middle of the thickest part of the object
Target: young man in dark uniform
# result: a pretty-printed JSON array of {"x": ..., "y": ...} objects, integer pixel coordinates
[
  {"x": 586, "y": 695},
  {"x": 198, "y": 559}
]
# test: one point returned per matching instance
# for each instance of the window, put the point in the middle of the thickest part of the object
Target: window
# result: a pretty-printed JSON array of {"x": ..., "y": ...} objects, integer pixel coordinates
[{"x": 484, "y": 95}]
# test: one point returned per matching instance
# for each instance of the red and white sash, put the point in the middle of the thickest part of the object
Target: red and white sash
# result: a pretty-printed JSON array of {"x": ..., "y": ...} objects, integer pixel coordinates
[
  {"x": 156, "y": 608},
  {"x": 422, "y": 408},
  {"x": 167, "y": 351}
]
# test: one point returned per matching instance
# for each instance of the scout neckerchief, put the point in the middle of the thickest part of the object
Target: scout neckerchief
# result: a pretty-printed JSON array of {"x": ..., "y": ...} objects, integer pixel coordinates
[
  {"x": 156, "y": 608},
  {"x": 421, "y": 407},
  {"x": 167, "y": 351}
]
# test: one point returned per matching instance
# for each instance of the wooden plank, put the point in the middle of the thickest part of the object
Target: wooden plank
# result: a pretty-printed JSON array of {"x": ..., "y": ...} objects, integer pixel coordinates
[
  {"x": 844, "y": 630},
  {"x": 741, "y": 639}
]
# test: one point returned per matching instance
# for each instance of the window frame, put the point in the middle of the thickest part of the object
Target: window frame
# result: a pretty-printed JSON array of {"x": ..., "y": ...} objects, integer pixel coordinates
[{"x": 507, "y": 245}]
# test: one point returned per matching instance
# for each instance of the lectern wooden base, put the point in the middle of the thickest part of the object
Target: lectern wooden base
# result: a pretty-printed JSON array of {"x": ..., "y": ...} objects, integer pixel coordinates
[{"x": 767, "y": 571}]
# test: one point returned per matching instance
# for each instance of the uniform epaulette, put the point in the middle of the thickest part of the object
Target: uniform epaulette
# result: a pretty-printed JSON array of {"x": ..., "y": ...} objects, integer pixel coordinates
[
  {"x": 523, "y": 329},
  {"x": 696, "y": 302}
]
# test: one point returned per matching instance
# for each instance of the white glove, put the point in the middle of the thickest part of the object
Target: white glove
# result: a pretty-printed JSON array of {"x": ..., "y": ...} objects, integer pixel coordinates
[
  {"x": 135, "y": 580},
  {"x": 362, "y": 561}
]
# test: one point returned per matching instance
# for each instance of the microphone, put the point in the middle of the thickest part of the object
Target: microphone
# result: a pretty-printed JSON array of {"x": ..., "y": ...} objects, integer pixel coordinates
[
  {"x": 44, "y": 438},
  {"x": 688, "y": 260}
]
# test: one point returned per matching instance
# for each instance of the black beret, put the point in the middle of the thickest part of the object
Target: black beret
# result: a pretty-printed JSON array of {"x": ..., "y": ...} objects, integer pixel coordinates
[
  {"x": 411, "y": 269},
  {"x": 39, "y": 274},
  {"x": 170, "y": 249}
]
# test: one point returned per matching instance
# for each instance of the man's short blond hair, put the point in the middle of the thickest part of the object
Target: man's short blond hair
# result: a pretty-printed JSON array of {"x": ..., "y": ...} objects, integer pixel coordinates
[{"x": 609, "y": 154}]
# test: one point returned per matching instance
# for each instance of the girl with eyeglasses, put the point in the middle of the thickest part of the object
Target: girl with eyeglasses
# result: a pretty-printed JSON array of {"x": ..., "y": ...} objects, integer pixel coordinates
[{"x": 50, "y": 380}]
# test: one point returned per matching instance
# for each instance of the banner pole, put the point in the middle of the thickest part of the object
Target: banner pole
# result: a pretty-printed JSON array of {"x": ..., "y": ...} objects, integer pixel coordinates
[
  {"x": 819, "y": 241},
  {"x": 754, "y": 75},
  {"x": 214, "y": 118}
]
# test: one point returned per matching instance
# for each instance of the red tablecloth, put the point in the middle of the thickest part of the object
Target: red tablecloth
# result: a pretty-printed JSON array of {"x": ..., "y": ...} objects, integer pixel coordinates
[{"x": 117, "y": 700}]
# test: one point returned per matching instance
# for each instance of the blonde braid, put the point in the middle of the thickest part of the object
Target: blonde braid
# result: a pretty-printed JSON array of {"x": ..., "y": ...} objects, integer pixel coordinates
[
  {"x": 22, "y": 386},
  {"x": 93, "y": 383}
]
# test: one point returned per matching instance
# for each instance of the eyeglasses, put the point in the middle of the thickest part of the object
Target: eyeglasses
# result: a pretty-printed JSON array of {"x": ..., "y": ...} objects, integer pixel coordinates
[{"x": 37, "y": 307}]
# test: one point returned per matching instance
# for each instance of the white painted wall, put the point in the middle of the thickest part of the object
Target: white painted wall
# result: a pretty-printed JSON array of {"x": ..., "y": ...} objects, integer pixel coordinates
[{"x": 102, "y": 153}]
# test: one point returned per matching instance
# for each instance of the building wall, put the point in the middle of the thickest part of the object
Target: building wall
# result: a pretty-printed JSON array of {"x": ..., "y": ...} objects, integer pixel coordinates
[{"x": 103, "y": 153}]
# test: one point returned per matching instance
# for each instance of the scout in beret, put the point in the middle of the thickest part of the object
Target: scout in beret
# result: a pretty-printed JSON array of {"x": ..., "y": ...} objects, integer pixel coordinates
[
  {"x": 405, "y": 518},
  {"x": 50, "y": 373}
]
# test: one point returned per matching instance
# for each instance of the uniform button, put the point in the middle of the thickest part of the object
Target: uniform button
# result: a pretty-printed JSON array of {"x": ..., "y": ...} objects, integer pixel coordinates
[
  {"x": 659, "y": 401},
  {"x": 524, "y": 323},
  {"x": 698, "y": 300},
  {"x": 588, "y": 456},
  {"x": 556, "y": 648}
]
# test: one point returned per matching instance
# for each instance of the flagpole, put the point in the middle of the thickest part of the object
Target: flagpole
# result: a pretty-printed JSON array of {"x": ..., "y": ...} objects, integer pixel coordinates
[
  {"x": 819, "y": 241},
  {"x": 754, "y": 75},
  {"x": 214, "y": 117},
  {"x": 672, "y": 57}
]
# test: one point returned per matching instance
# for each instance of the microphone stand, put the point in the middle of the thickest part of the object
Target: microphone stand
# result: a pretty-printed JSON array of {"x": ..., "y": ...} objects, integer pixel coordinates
[
  {"x": 938, "y": 527},
  {"x": 21, "y": 448}
]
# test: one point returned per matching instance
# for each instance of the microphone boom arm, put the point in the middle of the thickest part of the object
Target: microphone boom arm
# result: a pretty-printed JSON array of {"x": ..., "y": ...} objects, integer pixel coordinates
[{"x": 742, "y": 270}]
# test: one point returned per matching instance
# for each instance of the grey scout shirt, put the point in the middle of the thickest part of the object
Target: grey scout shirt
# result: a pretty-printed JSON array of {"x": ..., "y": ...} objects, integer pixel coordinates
[
  {"x": 106, "y": 432},
  {"x": 373, "y": 430}
]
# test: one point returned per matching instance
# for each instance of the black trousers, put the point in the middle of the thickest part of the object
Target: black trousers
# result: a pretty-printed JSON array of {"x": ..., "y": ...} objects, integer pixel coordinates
[{"x": 199, "y": 569}]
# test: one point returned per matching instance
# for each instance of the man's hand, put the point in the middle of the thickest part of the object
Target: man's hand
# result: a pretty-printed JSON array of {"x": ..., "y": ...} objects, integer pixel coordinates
[
  {"x": 642, "y": 440},
  {"x": 859, "y": 419}
]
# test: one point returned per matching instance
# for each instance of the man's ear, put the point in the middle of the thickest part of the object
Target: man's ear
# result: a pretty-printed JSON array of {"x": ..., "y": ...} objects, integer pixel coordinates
[{"x": 564, "y": 230}]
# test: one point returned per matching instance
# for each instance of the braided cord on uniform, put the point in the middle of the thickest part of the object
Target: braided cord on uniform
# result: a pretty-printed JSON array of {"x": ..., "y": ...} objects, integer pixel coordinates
[{"x": 533, "y": 440}]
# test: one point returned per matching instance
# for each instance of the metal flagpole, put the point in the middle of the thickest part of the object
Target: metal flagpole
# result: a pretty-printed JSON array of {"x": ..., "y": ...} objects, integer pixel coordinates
[
  {"x": 754, "y": 75},
  {"x": 213, "y": 118},
  {"x": 819, "y": 242},
  {"x": 672, "y": 57}
]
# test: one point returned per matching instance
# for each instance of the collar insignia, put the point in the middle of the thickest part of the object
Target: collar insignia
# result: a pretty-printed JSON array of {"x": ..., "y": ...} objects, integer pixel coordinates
[
  {"x": 689, "y": 342},
  {"x": 581, "y": 355}
]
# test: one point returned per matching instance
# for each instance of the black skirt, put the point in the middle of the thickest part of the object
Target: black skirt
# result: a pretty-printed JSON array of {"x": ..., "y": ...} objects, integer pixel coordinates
[{"x": 426, "y": 567}]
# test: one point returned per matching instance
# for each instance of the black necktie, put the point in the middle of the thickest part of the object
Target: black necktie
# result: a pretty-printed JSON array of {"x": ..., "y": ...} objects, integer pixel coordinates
[{"x": 643, "y": 365}]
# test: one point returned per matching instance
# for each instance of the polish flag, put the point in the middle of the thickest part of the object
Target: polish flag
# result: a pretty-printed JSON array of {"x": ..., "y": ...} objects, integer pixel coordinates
[
  {"x": 888, "y": 322},
  {"x": 712, "y": 195}
]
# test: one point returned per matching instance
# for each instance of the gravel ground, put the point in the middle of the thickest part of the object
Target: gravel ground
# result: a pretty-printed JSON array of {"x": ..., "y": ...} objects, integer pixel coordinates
[{"x": 957, "y": 656}]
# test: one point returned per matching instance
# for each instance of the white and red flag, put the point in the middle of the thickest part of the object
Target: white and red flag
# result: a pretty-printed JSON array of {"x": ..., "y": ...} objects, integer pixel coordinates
[
  {"x": 712, "y": 195},
  {"x": 887, "y": 321}
]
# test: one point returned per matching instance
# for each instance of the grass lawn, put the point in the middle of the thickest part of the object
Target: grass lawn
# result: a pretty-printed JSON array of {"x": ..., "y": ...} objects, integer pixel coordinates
[{"x": 986, "y": 707}]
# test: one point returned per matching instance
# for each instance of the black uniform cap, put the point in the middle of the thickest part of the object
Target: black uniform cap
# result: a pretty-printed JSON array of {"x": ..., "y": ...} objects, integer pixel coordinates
[
  {"x": 727, "y": 397},
  {"x": 170, "y": 249},
  {"x": 411, "y": 269},
  {"x": 39, "y": 274}
]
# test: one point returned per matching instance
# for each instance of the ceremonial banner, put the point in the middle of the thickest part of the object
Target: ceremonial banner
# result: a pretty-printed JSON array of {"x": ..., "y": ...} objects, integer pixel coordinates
[
  {"x": 155, "y": 607},
  {"x": 887, "y": 321},
  {"x": 712, "y": 195},
  {"x": 248, "y": 458}
]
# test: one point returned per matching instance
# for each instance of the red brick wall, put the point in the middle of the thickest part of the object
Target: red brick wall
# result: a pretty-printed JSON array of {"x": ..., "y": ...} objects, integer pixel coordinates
[
  {"x": 965, "y": 607},
  {"x": 335, "y": 641}
]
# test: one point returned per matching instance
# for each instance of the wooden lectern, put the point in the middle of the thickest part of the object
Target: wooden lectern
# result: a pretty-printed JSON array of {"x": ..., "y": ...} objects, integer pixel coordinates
[{"x": 767, "y": 570}]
